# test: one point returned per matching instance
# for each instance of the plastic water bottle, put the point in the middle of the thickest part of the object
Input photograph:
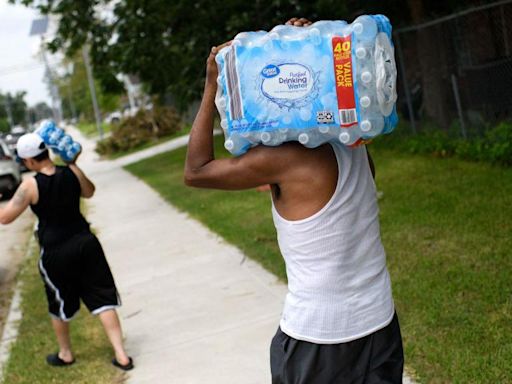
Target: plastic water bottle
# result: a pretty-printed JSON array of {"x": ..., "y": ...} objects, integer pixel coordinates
[
  {"x": 303, "y": 138},
  {"x": 365, "y": 28},
  {"x": 55, "y": 136},
  {"x": 60, "y": 142},
  {"x": 237, "y": 144},
  {"x": 372, "y": 126},
  {"x": 283, "y": 84}
]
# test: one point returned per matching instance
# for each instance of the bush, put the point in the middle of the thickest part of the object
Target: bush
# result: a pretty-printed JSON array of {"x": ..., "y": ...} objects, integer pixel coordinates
[
  {"x": 144, "y": 127},
  {"x": 498, "y": 144},
  {"x": 494, "y": 147}
]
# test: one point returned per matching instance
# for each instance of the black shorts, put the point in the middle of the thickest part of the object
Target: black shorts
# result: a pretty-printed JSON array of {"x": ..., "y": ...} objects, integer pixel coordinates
[
  {"x": 74, "y": 270},
  {"x": 374, "y": 359}
]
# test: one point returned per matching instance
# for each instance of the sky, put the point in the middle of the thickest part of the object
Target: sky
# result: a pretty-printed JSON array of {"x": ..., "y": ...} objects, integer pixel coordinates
[{"x": 20, "y": 67}]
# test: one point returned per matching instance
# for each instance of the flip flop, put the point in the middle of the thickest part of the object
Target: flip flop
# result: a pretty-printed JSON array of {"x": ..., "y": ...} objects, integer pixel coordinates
[
  {"x": 55, "y": 361},
  {"x": 125, "y": 367}
]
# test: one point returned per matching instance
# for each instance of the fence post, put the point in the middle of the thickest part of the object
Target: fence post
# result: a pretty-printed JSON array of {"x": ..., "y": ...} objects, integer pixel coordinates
[
  {"x": 404, "y": 81},
  {"x": 459, "y": 107}
]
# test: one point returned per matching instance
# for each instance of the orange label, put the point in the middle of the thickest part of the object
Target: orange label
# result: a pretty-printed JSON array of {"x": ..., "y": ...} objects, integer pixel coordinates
[{"x": 343, "y": 73}]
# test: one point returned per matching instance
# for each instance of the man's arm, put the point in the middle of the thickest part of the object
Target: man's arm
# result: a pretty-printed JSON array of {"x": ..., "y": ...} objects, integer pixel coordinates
[
  {"x": 260, "y": 165},
  {"x": 23, "y": 197},
  {"x": 87, "y": 188}
]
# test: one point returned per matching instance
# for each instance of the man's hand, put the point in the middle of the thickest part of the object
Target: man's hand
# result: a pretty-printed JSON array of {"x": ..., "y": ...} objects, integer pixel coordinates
[{"x": 299, "y": 22}]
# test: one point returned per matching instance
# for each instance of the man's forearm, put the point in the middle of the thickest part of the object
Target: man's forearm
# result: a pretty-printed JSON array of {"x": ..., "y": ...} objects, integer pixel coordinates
[{"x": 200, "y": 146}]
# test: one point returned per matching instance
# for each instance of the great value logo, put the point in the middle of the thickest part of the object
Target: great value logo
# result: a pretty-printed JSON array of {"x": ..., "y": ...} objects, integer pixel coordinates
[{"x": 270, "y": 71}]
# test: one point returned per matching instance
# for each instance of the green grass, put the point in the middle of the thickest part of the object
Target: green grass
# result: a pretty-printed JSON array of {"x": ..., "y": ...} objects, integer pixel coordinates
[
  {"x": 446, "y": 225},
  {"x": 90, "y": 129},
  {"x": 36, "y": 339}
]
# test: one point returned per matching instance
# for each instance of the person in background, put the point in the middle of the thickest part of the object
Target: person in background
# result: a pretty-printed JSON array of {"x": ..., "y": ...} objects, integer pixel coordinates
[{"x": 72, "y": 263}]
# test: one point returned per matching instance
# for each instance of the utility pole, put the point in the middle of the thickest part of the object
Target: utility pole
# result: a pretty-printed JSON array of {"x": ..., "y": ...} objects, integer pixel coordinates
[
  {"x": 39, "y": 27},
  {"x": 54, "y": 90},
  {"x": 92, "y": 88},
  {"x": 69, "y": 75}
]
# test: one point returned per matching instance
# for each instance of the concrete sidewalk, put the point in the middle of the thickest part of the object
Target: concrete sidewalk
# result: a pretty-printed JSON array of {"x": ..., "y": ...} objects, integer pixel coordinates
[{"x": 193, "y": 311}]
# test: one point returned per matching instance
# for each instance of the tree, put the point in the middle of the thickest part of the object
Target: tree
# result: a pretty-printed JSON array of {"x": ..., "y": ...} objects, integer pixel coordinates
[
  {"x": 13, "y": 109},
  {"x": 39, "y": 112},
  {"x": 75, "y": 93},
  {"x": 165, "y": 43}
]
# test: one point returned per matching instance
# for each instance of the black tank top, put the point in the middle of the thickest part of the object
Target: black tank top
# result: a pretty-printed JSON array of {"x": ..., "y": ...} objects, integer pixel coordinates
[{"x": 58, "y": 207}]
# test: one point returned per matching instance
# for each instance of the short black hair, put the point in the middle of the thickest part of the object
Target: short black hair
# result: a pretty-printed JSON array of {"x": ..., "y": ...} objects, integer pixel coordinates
[{"x": 42, "y": 156}]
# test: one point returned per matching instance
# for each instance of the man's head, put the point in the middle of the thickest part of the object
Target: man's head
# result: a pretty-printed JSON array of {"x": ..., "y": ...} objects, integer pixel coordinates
[{"x": 32, "y": 150}]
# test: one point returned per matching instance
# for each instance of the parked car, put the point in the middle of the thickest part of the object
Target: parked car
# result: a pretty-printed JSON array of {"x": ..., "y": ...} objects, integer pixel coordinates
[
  {"x": 11, "y": 139},
  {"x": 10, "y": 176},
  {"x": 113, "y": 118}
]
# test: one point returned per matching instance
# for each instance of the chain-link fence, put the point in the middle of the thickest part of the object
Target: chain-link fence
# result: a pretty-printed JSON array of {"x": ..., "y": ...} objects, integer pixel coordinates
[{"x": 457, "y": 69}]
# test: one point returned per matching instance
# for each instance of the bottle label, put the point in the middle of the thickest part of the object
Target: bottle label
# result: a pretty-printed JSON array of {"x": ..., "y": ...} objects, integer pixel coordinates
[
  {"x": 343, "y": 73},
  {"x": 287, "y": 84}
]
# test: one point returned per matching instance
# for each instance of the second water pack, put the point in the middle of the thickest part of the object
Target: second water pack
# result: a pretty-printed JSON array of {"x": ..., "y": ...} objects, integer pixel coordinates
[{"x": 330, "y": 81}]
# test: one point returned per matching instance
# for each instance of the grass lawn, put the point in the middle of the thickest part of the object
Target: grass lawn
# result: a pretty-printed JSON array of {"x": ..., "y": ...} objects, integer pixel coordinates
[
  {"x": 446, "y": 225},
  {"x": 36, "y": 339}
]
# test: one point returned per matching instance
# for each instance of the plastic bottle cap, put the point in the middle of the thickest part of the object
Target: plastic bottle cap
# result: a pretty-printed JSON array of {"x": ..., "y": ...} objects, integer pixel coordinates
[
  {"x": 365, "y": 101},
  {"x": 366, "y": 125},
  {"x": 229, "y": 145},
  {"x": 265, "y": 137},
  {"x": 344, "y": 137},
  {"x": 358, "y": 28},
  {"x": 314, "y": 32},
  {"x": 360, "y": 53},
  {"x": 303, "y": 138},
  {"x": 366, "y": 77}
]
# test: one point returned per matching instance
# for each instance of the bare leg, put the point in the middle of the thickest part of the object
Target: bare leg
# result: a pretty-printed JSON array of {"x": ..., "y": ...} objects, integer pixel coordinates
[
  {"x": 112, "y": 326},
  {"x": 61, "y": 329}
]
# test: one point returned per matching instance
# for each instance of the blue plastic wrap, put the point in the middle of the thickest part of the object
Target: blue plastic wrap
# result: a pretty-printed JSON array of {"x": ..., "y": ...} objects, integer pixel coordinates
[
  {"x": 56, "y": 139},
  {"x": 330, "y": 81}
]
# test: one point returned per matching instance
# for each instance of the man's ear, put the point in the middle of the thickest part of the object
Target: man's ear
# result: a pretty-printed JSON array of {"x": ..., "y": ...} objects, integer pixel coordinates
[{"x": 27, "y": 162}]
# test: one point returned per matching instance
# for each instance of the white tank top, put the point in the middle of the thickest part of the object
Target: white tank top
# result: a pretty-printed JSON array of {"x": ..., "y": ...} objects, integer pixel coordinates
[{"x": 338, "y": 284}]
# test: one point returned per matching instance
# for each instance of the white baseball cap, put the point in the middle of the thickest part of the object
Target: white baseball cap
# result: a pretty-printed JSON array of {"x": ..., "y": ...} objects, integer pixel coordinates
[{"x": 30, "y": 145}]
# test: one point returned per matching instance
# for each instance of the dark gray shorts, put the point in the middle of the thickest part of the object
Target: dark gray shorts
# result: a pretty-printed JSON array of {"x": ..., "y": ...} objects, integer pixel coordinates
[{"x": 376, "y": 358}]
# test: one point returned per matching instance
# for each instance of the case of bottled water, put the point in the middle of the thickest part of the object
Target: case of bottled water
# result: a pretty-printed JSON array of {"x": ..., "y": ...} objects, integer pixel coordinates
[
  {"x": 61, "y": 143},
  {"x": 330, "y": 81}
]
